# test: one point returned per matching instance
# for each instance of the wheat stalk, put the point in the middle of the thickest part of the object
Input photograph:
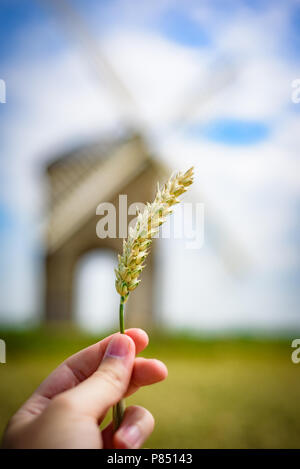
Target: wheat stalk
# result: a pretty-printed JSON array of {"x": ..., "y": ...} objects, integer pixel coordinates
[{"x": 136, "y": 248}]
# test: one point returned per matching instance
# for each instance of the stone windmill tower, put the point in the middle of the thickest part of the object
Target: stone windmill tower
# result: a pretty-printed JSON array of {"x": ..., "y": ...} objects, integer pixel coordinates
[{"x": 79, "y": 181}]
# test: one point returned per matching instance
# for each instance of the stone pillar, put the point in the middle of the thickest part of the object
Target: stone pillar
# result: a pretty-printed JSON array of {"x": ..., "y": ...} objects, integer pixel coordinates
[{"x": 59, "y": 286}]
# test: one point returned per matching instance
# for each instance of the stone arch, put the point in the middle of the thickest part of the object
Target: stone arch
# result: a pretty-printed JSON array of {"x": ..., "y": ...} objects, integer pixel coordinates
[{"x": 95, "y": 299}]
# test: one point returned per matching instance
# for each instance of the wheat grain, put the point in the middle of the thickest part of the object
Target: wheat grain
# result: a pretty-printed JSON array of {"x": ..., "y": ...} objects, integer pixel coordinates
[{"x": 136, "y": 248}]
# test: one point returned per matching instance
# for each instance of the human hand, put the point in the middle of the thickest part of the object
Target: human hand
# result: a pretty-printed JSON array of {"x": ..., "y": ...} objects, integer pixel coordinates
[{"x": 68, "y": 407}]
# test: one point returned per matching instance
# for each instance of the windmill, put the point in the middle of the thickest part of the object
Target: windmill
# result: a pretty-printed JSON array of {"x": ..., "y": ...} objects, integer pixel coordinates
[{"x": 132, "y": 152}]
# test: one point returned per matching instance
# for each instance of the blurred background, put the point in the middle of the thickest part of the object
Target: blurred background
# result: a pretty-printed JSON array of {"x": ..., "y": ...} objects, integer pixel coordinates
[{"x": 106, "y": 98}]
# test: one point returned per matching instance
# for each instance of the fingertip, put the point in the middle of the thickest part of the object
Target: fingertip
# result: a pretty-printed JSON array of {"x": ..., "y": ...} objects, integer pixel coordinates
[
  {"x": 136, "y": 332},
  {"x": 140, "y": 338},
  {"x": 163, "y": 370},
  {"x": 156, "y": 368},
  {"x": 148, "y": 371}
]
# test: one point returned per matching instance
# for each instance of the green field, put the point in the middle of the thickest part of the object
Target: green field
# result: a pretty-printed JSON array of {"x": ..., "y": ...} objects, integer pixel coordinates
[{"x": 225, "y": 393}]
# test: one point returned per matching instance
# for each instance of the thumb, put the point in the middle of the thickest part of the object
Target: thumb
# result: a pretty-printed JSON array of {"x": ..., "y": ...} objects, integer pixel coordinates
[{"x": 107, "y": 385}]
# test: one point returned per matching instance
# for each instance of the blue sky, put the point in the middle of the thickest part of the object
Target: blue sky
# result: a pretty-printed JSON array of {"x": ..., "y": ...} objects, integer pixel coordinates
[{"x": 244, "y": 141}]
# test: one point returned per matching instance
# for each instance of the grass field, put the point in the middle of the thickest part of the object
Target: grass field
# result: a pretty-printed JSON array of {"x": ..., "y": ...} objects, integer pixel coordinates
[{"x": 219, "y": 394}]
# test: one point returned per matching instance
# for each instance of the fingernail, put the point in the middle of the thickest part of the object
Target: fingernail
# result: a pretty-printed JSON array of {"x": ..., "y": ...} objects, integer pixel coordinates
[
  {"x": 130, "y": 435},
  {"x": 118, "y": 347}
]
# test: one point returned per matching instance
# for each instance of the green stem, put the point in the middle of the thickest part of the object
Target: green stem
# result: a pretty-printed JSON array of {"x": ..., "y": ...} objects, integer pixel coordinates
[
  {"x": 121, "y": 315},
  {"x": 119, "y": 408}
]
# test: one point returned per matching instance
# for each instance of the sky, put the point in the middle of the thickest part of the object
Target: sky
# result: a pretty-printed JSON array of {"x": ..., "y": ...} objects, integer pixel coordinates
[{"x": 211, "y": 83}]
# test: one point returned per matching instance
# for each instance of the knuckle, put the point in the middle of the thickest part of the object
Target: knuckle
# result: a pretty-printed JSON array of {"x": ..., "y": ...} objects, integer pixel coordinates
[{"x": 62, "y": 402}]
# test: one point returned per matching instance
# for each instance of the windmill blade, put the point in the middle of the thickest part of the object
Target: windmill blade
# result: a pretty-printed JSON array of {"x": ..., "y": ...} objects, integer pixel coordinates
[
  {"x": 220, "y": 76},
  {"x": 97, "y": 60},
  {"x": 220, "y": 237},
  {"x": 231, "y": 251}
]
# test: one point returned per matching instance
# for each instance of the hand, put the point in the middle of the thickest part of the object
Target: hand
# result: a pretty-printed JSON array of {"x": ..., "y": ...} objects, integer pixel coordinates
[{"x": 67, "y": 408}]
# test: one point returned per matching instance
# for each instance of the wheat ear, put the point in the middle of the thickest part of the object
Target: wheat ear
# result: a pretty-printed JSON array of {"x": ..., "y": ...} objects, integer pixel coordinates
[{"x": 136, "y": 248}]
